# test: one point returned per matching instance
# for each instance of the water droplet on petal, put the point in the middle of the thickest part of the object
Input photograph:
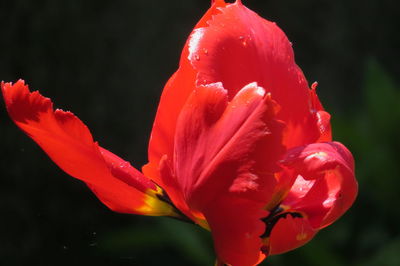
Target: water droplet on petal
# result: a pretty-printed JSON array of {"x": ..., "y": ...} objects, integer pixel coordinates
[
  {"x": 243, "y": 41},
  {"x": 197, "y": 57}
]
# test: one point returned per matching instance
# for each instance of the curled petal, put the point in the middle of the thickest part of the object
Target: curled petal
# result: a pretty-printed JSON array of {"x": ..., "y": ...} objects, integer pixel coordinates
[
  {"x": 325, "y": 187},
  {"x": 320, "y": 119},
  {"x": 69, "y": 143},
  {"x": 219, "y": 166},
  {"x": 216, "y": 144}
]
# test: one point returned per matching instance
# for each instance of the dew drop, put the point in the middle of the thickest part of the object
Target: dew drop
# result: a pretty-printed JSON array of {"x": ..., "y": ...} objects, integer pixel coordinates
[
  {"x": 197, "y": 57},
  {"x": 314, "y": 85},
  {"x": 205, "y": 51},
  {"x": 244, "y": 40}
]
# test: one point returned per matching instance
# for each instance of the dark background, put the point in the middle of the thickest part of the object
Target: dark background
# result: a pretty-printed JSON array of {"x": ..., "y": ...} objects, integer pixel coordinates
[{"x": 107, "y": 61}]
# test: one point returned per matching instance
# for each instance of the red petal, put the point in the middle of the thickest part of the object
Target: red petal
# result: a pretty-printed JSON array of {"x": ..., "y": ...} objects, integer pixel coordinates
[
  {"x": 236, "y": 228},
  {"x": 220, "y": 169},
  {"x": 315, "y": 127},
  {"x": 326, "y": 186},
  {"x": 69, "y": 143},
  {"x": 216, "y": 145},
  {"x": 174, "y": 96},
  {"x": 233, "y": 45},
  {"x": 290, "y": 233},
  {"x": 237, "y": 47}
]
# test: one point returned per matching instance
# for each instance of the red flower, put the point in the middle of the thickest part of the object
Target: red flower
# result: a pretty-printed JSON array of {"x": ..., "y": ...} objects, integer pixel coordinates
[{"x": 240, "y": 144}]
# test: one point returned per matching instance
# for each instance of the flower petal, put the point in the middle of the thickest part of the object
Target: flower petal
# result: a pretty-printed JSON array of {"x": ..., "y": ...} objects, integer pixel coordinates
[
  {"x": 233, "y": 45},
  {"x": 217, "y": 144},
  {"x": 316, "y": 124},
  {"x": 236, "y": 228},
  {"x": 289, "y": 233},
  {"x": 237, "y": 47},
  {"x": 224, "y": 165},
  {"x": 325, "y": 187},
  {"x": 174, "y": 96},
  {"x": 69, "y": 143}
]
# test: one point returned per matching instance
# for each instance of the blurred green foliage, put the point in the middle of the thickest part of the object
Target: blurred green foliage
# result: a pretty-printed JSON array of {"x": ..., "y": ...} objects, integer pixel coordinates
[{"x": 108, "y": 60}]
